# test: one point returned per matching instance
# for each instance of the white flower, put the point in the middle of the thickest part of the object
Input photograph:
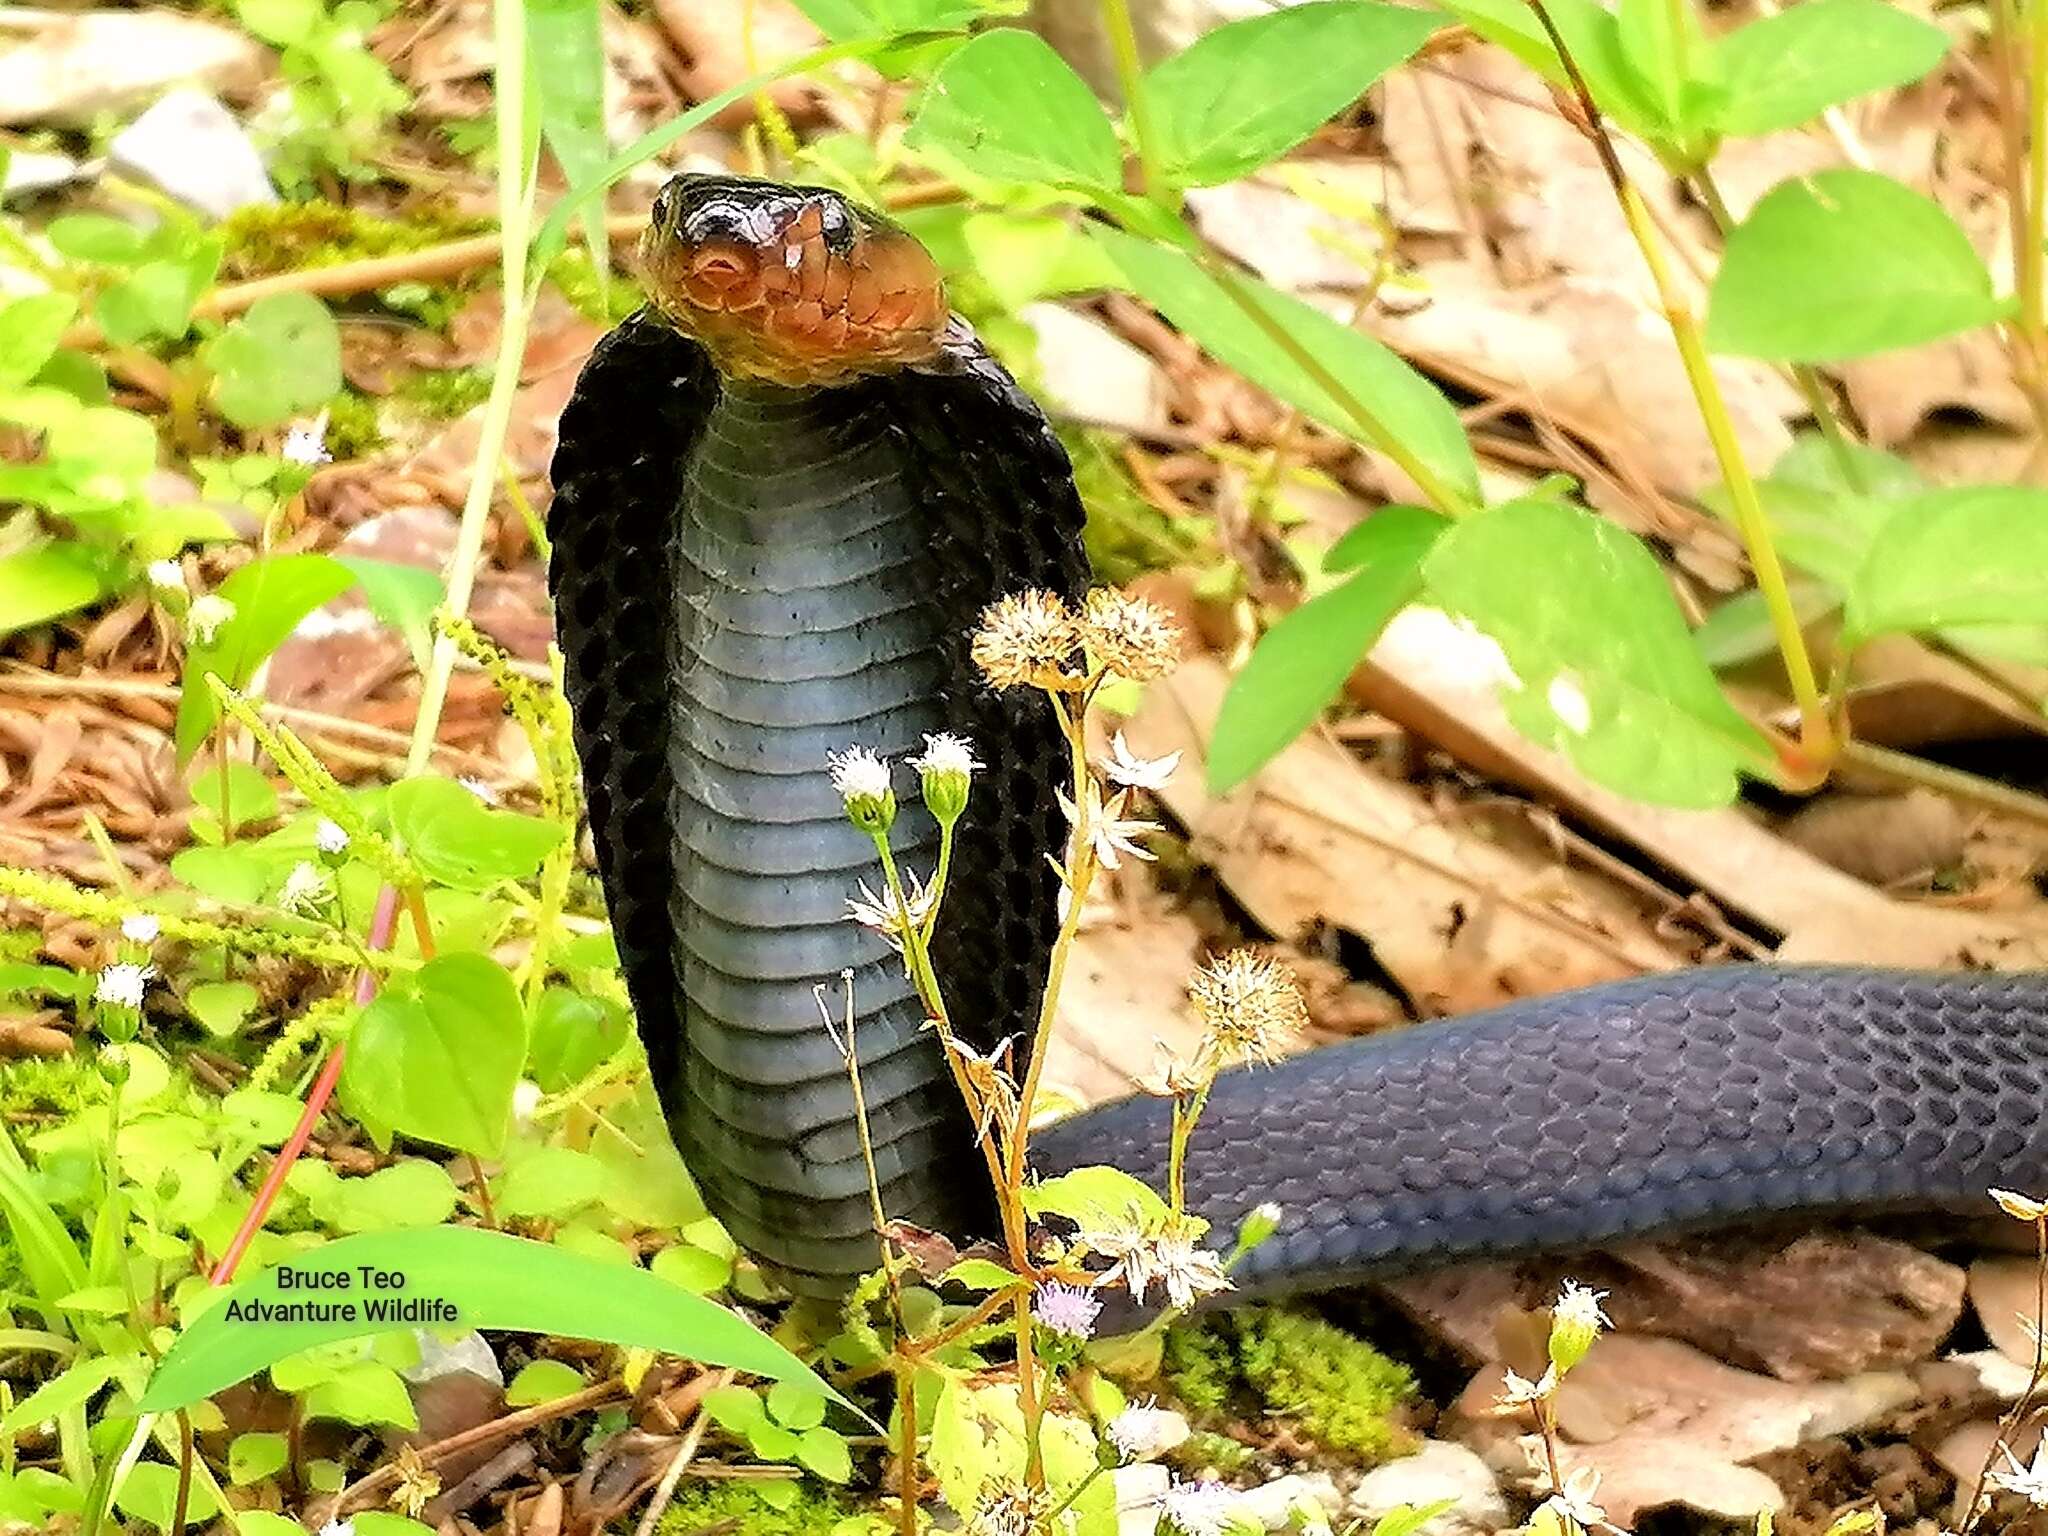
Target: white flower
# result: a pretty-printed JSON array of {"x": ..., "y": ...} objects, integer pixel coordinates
[
  {"x": 1127, "y": 768},
  {"x": 306, "y": 889},
  {"x": 306, "y": 443},
  {"x": 480, "y": 789},
  {"x": 946, "y": 753},
  {"x": 1188, "y": 1273},
  {"x": 1520, "y": 1392},
  {"x": 1068, "y": 1310},
  {"x": 120, "y": 985},
  {"x": 140, "y": 928},
  {"x": 167, "y": 574},
  {"x": 879, "y": 913},
  {"x": 1575, "y": 1499},
  {"x": 1206, "y": 1508},
  {"x": 1144, "y": 1431},
  {"x": 206, "y": 616},
  {"x": 338, "y": 1528},
  {"x": 329, "y": 837},
  {"x": 526, "y": 1097},
  {"x": 1104, "y": 825},
  {"x": 858, "y": 773},
  {"x": 1580, "y": 1307},
  {"x": 2030, "y": 1482},
  {"x": 1130, "y": 1247}
]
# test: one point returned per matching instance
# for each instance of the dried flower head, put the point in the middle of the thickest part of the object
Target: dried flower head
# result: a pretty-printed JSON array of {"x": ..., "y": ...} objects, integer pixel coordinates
[
  {"x": 418, "y": 1483},
  {"x": 2029, "y": 1482},
  {"x": 1144, "y": 1431},
  {"x": 1008, "y": 1510},
  {"x": 1249, "y": 1004},
  {"x": 1204, "y": 1508},
  {"x": 1132, "y": 636},
  {"x": 204, "y": 619},
  {"x": 862, "y": 780},
  {"x": 121, "y": 985},
  {"x": 879, "y": 913},
  {"x": 1187, "y": 1273},
  {"x": 1067, "y": 1310},
  {"x": 1104, "y": 825},
  {"x": 1130, "y": 1244},
  {"x": 1518, "y": 1391},
  {"x": 141, "y": 928},
  {"x": 1027, "y": 640},
  {"x": 995, "y": 1090}
]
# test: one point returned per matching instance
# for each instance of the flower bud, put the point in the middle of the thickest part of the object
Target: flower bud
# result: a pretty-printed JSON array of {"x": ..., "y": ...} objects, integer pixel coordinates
[
  {"x": 1575, "y": 1322},
  {"x": 946, "y": 770},
  {"x": 1260, "y": 1223},
  {"x": 862, "y": 780}
]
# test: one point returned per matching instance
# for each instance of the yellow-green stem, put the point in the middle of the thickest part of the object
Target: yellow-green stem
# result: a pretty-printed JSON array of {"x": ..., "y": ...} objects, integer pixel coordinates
[
  {"x": 2033, "y": 283},
  {"x": 1123, "y": 42},
  {"x": 1185, "y": 1114},
  {"x": 1816, "y": 735}
]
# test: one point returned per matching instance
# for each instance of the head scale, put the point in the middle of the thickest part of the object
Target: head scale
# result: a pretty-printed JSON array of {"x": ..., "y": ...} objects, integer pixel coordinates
[{"x": 791, "y": 284}]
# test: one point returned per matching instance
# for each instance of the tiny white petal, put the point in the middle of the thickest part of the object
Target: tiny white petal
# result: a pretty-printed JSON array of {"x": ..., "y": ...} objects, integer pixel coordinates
[
  {"x": 140, "y": 928},
  {"x": 946, "y": 753},
  {"x": 121, "y": 985},
  {"x": 1127, "y": 768},
  {"x": 329, "y": 837},
  {"x": 859, "y": 775},
  {"x": 167, "y": 574}
]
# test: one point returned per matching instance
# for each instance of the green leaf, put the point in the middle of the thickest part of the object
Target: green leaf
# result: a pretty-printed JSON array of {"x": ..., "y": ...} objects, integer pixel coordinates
[
  {"x": 693, "y": 1269},
  {"x": 1655, "y": 49},
  {"x": 253, "y": 1457},
  {"x": 1608, "y": 671},
  {"x": 151, "y": 1495},
  {"x": 71, "y": 1388},
  {"x": 1594, "y": 38},
  {"x": 848, "y": 20},
  {"x": 1843, "y": 264},
  {"x": 979, "y": 1275},
  {"x": 403, "y": 596},
  {"x": 235, "y": 799},
  {"x": 823, "y": 1452},
  {"x": 552, "y": 1182},
  {"x": 1787, "y": 69},
  {"x": 47, "y": 581},
  {"x": 1095, "y": 1198},
  {"x": 571, "y": 1034},
  {"x": 1976, "y": 555},
  {"x": 281, "y": 359},
  {"x": 30, "y": 330},
  {"x": 493, "y": 1281},
  {"x": 457, "y": 840},
  {"x": 156, "y": 299},
  {"x": 542, "y": 1382},
  {"x": 1249, "y": 91},
  {"x": 42, "y": 1245},
  {"x": 567, "y": 34},
  {"x": 363, "y": 1393},
  {"x": 271, "y": 596},
  {"x": 282, "y": 23},
  {"x": 1407, "y": 1519},
  {"x": 1302, "y": 662},
  {"x": 794, "y": 1405},
  {"x": 437, "y": 1054},
  {"x": 978, "y": 1439},
  {"x": 222, "y": 1007},
  {"x": 1411, "y": 409},
  {"x": 410, "y": 1193},
  {"x": 1740, "y": 630},
  {"x": 95, "y": 237},
  {"x": 1007, "y": 106}
]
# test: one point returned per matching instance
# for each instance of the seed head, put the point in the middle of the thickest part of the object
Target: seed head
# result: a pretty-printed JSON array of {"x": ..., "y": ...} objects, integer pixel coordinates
[
  {"x": 946, "y": 770},
  {"x": 1067, "y": 1310},
  {"x": 121, "y": 985},
  {"x": 1132, "y": 636},
  {"x": 1027, "y": 640},
  {"x": 862, "y": 780},
  {"x": 1250, "y": 1005},
  {"x": 1186, "y": 1272}
]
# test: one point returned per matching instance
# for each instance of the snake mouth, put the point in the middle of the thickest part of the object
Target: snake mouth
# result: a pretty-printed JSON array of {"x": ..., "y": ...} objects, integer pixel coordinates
[{"x": 795, "y": 285}]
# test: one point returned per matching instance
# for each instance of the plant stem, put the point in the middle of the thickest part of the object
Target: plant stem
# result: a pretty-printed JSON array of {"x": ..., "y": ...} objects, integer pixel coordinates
[
  {"x": 1123, "y": 42},
  {"x": 2033, "y": 285},
  {"x": 1816, "y": 737}
]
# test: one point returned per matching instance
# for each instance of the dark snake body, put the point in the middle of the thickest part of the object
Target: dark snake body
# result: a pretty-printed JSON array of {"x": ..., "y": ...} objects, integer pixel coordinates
[{"x": 750, "y": 577}]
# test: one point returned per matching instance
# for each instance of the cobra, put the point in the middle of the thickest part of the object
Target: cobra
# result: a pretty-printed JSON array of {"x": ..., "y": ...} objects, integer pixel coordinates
[{"x": 784, "y": 491}]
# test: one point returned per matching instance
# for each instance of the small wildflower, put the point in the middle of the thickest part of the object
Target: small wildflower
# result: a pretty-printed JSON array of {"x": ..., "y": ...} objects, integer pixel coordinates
[
  {"x": 1188, "y": 1273},
  {"x": 207, "y": 615},
  {"x": 306, "y": 443},
  {"x": 1144, "y": 1431},
  {"x": 946, "y": 770},
  {"x": 480, "y": 789},
  {"x": 1134, "y": 772},
  {"x": 526, "y": 1097},
  {"x": 329, "y": 838},
  {"x": 2029, "y": 1482},
  {"x": 1104, "y": 825},
  {"x": 880, "y": 913},
  {"x": 1205, "y": 1508},
  {"x": 306, "y": 890},
  {"x": 1132, "y": 636},
  {"x": 167, "y": 574},
  {"x": 862, "y": 780},
  {"x": 1575, "y": 1500},
  {"x": 1519, "y": 1391},
  {"x": 1249, "y": 1004},
  {"x": 121, "y": 985},
  {"x": 1007, "y": 1511},
  {"x": 1575, "y": 1322},
  {"x": 141, "y": 928},
  {"x": 418, "y": 1484},
  {"x": 2020, "y": 1207},
  {"x": 1067, "y": 1310},
  {"x": 1131, "y": 1247},
  {"x": 1027, "y": 639}
]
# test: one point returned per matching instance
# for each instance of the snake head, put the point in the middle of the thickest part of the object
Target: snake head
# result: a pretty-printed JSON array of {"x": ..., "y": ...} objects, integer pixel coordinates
[{"x": 797, "y": 285}]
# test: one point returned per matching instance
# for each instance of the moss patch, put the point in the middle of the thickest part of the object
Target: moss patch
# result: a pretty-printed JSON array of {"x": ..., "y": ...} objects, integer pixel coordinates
[
  {"x": 1273, "y": 1363},
  {"x": 289, "y": 237}
]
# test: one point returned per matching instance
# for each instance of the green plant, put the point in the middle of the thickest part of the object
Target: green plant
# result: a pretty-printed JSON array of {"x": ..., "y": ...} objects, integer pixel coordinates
[{"x": 342, "y": 97}]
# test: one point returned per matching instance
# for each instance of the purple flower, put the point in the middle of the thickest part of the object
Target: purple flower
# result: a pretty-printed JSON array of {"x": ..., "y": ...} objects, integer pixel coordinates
[{"x": 1068, "y": 1310}]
